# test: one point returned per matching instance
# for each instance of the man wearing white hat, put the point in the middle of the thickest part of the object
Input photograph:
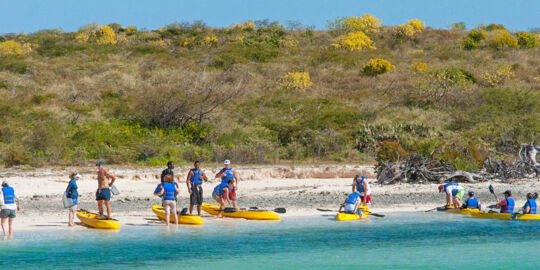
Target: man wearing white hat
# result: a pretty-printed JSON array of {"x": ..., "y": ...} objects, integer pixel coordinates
[{"x": 226, "y": 174}]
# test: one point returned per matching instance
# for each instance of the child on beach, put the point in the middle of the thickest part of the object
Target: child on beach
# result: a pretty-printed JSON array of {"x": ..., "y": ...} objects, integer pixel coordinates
[{"x": 10, "y": 206}]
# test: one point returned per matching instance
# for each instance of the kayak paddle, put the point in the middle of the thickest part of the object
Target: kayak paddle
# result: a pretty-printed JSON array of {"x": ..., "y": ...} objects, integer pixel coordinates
[
  {"x": 371, "y": 213},
  {"x": 492, "y": 191},
  {"x": 280, "y": 210}
]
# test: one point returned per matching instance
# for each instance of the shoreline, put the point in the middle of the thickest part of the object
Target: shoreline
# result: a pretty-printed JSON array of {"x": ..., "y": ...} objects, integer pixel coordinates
[{"x": 40, "y": 192}]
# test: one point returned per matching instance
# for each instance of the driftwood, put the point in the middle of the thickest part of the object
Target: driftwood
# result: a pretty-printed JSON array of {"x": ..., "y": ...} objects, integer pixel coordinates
[{"x": 416, "y": 168}]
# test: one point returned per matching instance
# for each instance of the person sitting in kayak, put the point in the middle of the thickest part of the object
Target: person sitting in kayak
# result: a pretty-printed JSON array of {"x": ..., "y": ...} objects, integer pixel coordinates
[
  {"x": 507, "y": 205},
  {"x": 351, "y": 204},
  {"x": 530, "y": 205},
  {"x": 454, "y": 193},
  {"x": 221, "y": 195},
  {"x": 167, "y": 191},
  {"x": 471, "y": 202},
  {"x": 361, "y": 185}
]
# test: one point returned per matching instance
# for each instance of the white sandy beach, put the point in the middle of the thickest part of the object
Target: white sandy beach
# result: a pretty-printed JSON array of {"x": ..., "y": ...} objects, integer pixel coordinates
[{"x": 300, "y": 190}]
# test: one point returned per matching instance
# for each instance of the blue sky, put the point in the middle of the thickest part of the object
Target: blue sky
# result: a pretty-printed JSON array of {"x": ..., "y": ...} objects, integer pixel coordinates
[{"x": 31, "y": 15}]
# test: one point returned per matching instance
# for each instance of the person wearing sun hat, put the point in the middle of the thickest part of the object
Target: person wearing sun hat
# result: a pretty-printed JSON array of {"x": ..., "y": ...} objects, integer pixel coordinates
[
  {"x": 73, "y": 194},
  {"x": 226, "y": 174}
]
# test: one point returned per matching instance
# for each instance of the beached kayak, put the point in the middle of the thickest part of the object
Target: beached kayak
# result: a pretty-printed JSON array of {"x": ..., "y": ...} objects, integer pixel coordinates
[
  {"x": 482, "y": 214},
  {"x": 344, "y": 216},
  {"x": 247, "y": 214},
  {"x": 465, "y": 211},
  {"x": 97, "y": 221},
  {"x": 185, "y": 219}
]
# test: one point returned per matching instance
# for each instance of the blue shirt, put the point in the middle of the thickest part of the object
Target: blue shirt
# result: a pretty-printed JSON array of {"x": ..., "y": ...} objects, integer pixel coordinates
[{"x": 72, "y": 190}]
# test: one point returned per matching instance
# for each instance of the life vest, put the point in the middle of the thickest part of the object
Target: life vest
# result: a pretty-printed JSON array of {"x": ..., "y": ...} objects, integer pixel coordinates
[
  {"x": 472, "y": 203},
  {"x": 169, "y": 191},
  {"x": 509, "y": 206},
  {"x": 532, "y": 206},
  {"x": 196, "y": 177},
  {"x": 228, "y": 175},
  {"x": 219, "y": 189},
  {"x": 360, "y": 186},
  {"x": 447, "y": 190},
  {"x": 353, "y": 198},
  {"x": 9, "y": 195}
]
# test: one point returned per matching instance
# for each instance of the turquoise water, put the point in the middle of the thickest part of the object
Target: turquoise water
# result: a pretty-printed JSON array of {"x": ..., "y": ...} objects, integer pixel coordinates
[{"x": 398, "y": 241}]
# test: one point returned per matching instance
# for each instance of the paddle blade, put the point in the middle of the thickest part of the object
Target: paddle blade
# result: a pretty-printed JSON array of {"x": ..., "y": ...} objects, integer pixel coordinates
[
  {"x": 491, "y": 189},
  {"x": 377, "y": 215},
  {"x": 535, "y": 195},
  {"x": 325, "y": 210},
  {"x": 254, "y": 208},
  {"x": 229, "y": 210},
  {"x": 280, "y": 210},
  {"x": 492, "y": 206}
]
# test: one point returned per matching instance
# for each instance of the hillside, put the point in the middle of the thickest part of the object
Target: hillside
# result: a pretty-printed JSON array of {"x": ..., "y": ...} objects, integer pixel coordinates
[{"x": 258, "y": 92}]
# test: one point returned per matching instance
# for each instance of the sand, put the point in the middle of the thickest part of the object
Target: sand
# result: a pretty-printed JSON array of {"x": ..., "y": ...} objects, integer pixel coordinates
[{"x": 300, "y": 190}]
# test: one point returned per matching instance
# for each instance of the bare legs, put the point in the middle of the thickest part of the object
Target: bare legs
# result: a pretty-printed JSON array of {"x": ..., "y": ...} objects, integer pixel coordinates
[
  {"x": 71, "y": 215},
  {"x": 198, "y": 209},
  {"x": 107, "y": 204},
  {"x": 10, "y": 223},
  {"x": 221, "y": 205}
]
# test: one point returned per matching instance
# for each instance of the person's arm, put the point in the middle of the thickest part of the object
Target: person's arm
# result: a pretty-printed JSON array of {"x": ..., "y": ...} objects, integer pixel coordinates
[
  {"x": 219, "y": 174},
  {"x": 353, "y": 185},
  {"x": 448, "y": 198},
  {"x": 341, "y": 206},
  {"x": 204, "y": 177},
  {"x": 226, "y": 196},
  {"x": 110, "y": 176},
  {"x": 68, "y": 189},
  {"x": 235, "y": 180},
  {"x": 17, "y": 202},
  {"x": 188, "y": 182},
  {"x": 501, "y": 204},
  {"x": 365, "y": 192},
  {"x": 161, "y": 191},
  {"x": 177, "y": 189}
]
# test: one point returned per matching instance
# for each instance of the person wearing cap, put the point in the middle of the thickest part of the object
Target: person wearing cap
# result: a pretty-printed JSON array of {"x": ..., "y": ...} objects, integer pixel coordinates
[
  {"x": 194, "y": 181},
  {"x": 226, "y": 174},
  {"x": 507, "y": 205},
  {"x": 103, "y": 193},
  {"x": 471, "y": 202},
  {"x": 530, "y": 205},
  {"x": 72, "y": 193},
  {"x": 10, "y": 206},
  {"x": 169, "y": 170},
  {"x": 454, "y": 193},
  {"x": 361, "y": 185}
]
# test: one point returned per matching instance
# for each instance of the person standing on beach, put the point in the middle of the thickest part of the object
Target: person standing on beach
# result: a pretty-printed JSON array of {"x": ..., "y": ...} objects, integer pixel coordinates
[
  {"x": 169, "y": 170},
  {"x": 10, "y": 204},
  {"x": 103, "y": 193},
  {"x": 361, "y": 185},
  {"x": 73, "y": 194},
  {"x": 168, "y": 190},
  {"x": 226, "y": 174},
  {"x": 194, "y": 182},
  {"x": 454, "y": 193}
]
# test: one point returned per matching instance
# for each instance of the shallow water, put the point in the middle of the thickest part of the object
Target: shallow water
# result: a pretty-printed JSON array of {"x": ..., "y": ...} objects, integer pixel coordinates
[{"x": 398, "y": 241}]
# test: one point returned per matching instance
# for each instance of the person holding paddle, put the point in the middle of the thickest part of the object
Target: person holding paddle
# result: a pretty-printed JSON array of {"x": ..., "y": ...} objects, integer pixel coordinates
[
  {"x": 506, "y": 205},
  {"x": 530, "y": 205}
]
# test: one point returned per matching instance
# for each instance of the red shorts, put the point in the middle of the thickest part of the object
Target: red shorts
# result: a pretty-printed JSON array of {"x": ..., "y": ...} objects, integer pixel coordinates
[
  {"x": 367, "y": 198},
  {"x": 232, "y": 194}
]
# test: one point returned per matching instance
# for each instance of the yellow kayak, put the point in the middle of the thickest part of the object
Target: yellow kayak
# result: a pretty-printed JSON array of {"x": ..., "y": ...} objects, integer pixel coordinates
[
  {"x": 482, "y": 214},
  {"x": 465, "y": 211},
  {"x": 247, "y": 214},
  {"x": 97, "y": 221},
  {"x": 341, "y": 216},
  {"x": 186, "y": 219}
]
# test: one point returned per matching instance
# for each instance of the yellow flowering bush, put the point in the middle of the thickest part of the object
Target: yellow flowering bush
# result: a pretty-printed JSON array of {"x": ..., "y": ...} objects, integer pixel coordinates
[
  {"x": 409, "y": 29},
  {"x": 478, "y": 34},
  {"x": 130, "y": 30},
  {"x": 247, "y": 26},
  {"x": 105, "y": 35},
  {"x": 419, "y": 67},
  {"x": 12, "y": 47},
  {"x": 377, "y": 66},
  {"x": 288, "y": 43},
  {"x": 527, "y": 40},
  {"x": 209, "y": 41},
  {"x": 498, "y": 76},
  {"x": 503, "y": 39},
  {"x": 368, "y": 24},
  {"x": 82, "y": 38},
  {"x": 296, "y": 80},
  {"x": 354, "y": 41}
]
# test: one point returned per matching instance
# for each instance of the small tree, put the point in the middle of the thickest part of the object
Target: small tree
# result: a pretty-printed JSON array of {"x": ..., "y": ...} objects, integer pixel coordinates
[{"x": 377, "y": 66}]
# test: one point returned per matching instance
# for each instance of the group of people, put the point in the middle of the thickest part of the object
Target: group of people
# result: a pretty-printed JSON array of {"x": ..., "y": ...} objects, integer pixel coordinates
[
  {"x": 454, "y": 194},
  {"x": 361, "y": 195}
]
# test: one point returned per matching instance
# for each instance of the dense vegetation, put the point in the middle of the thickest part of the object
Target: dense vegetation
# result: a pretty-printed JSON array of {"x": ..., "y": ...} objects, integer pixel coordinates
[{"x": 259, "y": 92}]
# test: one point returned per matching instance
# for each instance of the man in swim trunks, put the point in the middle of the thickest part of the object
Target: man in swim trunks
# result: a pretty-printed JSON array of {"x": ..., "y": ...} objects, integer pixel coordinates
[
  {"x": 194, "y": 181},
  {"x": 103, "y": 193},
  {"x": 454, "y": 193},
  {"x": 361, "y": 185}
]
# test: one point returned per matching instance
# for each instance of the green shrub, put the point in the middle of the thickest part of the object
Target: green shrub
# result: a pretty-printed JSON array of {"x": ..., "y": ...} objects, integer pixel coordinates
[
  {"x": 13, "y": 64},
  {"x": 377, "y": 66},
  {"x": 469, "y": 44},
  {"x": 503, "y": 39},
  {"x": 494, "y": 27},
  {"x": 478, "y": 35}
]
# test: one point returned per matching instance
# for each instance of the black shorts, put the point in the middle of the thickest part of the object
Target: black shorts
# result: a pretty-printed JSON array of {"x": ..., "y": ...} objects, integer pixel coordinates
[
  {"x": 103, "y": 194},
  {"x": 196, "y": 196}
]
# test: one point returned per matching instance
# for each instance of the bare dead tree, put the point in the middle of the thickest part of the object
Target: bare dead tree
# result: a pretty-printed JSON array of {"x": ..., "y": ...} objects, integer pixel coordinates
[{"x": 176, "y": 97}]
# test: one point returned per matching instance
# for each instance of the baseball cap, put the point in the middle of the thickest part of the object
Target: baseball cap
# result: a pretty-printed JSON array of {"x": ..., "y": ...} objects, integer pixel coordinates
[
  {"x": 227, "y": 162},
  {"x": 99, "y": 163},
  {"x": 508, "y": 192}
]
